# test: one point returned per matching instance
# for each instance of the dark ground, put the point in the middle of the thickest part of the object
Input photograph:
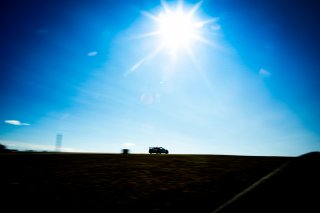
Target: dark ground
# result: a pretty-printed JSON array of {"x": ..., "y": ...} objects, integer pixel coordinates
[
  {"x": 134, "y": 182},
  {"x": 294, "y": 188}
]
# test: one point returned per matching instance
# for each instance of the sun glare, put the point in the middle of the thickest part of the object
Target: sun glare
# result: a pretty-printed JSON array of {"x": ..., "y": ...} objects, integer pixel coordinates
[{"x": 177, "y": 29}]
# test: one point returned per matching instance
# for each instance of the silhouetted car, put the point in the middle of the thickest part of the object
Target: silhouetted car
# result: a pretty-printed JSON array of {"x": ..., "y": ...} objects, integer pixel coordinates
[{"x": 158, "y": 150}]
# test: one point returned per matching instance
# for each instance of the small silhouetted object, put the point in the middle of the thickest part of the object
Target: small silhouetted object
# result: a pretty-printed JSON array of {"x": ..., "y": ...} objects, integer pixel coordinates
[
  {"x": 158, "y": 150},
  {"x": 125, "y": 151}
]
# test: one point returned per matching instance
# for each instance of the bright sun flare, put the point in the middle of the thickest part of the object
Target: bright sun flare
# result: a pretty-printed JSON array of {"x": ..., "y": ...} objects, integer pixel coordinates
[{"x": 178, "y": 28}]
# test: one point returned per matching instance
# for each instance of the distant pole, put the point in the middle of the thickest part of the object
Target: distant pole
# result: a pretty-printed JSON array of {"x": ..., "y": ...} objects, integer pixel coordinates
[{"x": 58, "y": 142}]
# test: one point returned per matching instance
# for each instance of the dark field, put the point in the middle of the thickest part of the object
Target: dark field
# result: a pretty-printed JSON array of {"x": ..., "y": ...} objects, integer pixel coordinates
[{"x": 121, "y": 183}]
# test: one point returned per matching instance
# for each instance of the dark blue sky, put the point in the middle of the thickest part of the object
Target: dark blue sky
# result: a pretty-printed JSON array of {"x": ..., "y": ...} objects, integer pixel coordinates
[
  {"x": 44, "y": 45},
  {"x": 282, "y": 36}
]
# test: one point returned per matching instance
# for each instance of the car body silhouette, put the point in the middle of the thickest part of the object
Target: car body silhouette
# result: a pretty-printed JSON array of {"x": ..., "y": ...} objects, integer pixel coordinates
[{"x": 158, "y": 150}]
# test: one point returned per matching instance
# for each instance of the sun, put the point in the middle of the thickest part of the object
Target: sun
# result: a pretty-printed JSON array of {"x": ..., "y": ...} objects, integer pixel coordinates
[{"x": 177, "y": 29}]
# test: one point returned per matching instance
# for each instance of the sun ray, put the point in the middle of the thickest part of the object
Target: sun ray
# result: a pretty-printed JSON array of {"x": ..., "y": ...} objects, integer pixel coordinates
[
  {"x": 150, "y": 15},
  {"x": 165, "y": 6},
  {"x": 203, "y": 40},
  {"x": 146, "y": 35},
  {"x": 143, "y": 60},
  {"x": 205, "y": 22},
  {"x": 195, "y": 9},
  {"x": 210, "y": 43}
]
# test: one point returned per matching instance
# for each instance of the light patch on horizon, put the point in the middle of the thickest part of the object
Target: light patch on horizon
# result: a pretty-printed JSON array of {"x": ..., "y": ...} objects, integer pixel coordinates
[
  {"x": 128, "y": 144},
  {"x": 22, "y": 146},
  {"x": 16, "y": 123},
  {"x": 264, "y": 73}
]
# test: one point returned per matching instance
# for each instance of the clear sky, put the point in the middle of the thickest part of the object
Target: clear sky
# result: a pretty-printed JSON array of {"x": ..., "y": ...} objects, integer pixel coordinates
[{"x": 238, "y": 77}]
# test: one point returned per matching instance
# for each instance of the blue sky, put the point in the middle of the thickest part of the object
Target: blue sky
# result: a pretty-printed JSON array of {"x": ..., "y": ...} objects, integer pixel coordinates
[{"x": 87, "y": 70}]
